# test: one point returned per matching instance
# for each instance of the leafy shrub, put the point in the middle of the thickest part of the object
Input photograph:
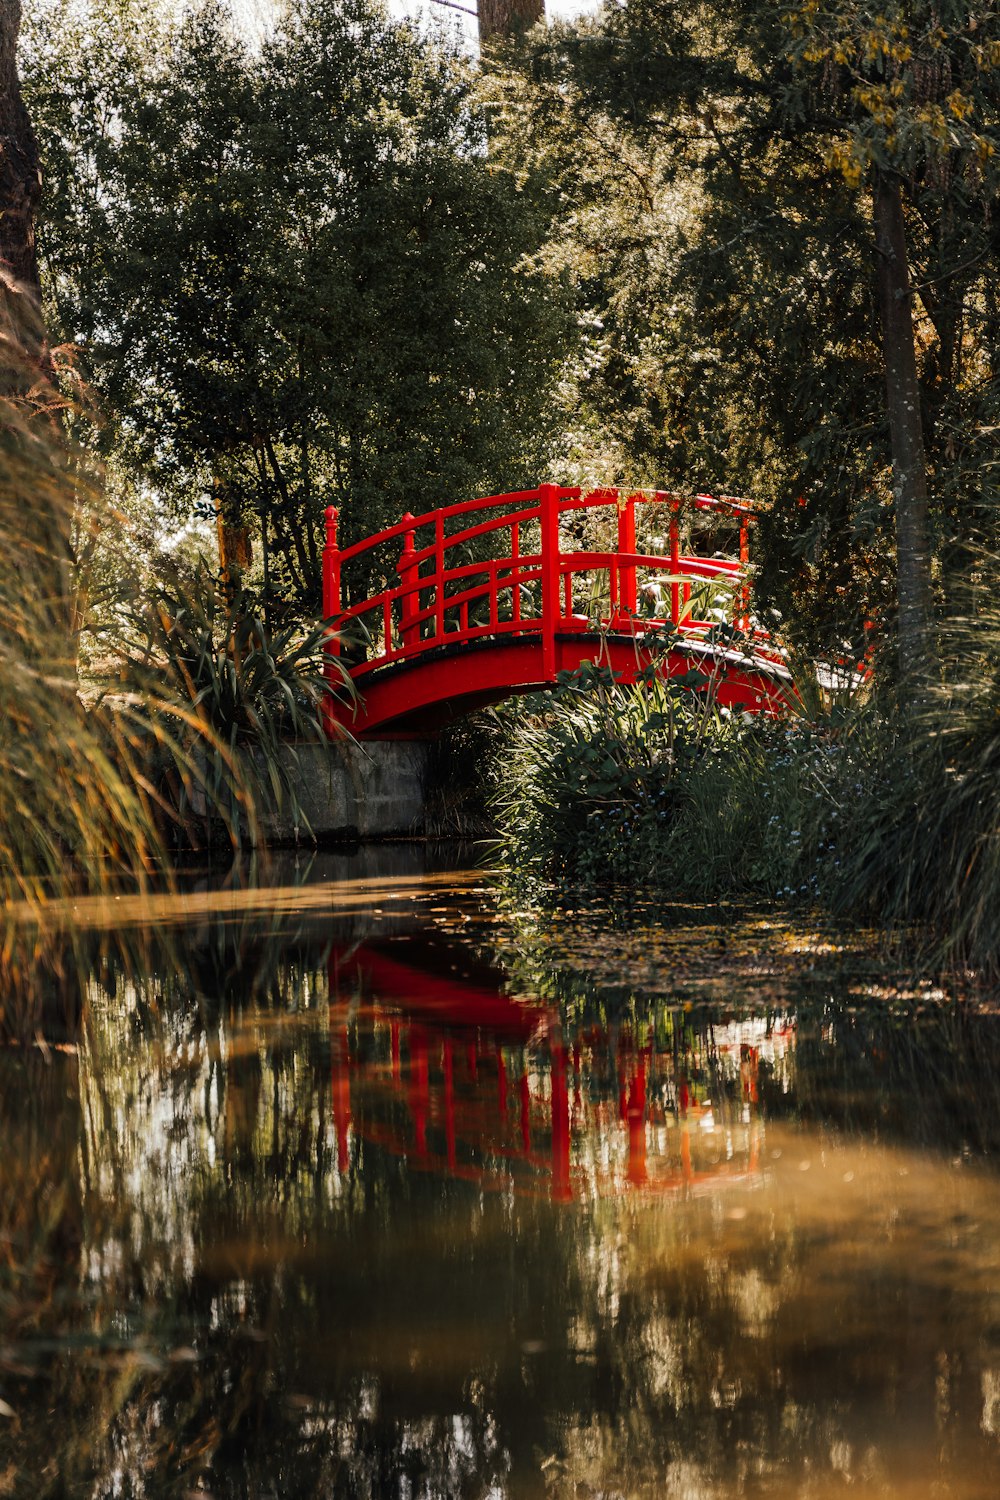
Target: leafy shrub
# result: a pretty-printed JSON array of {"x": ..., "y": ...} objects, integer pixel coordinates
[
  {"x": 656, "y": 785},
  {"x": 758, "y": 817},
  {"x": 590, "y": 785},
  {"x": 465, "y": 770}
]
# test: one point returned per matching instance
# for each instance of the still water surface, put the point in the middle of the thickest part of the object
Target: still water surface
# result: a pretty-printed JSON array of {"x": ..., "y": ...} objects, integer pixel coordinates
[{"x": 368, "y": 1186}]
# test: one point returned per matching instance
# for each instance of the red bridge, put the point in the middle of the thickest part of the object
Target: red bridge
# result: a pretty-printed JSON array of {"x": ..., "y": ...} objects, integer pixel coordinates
[{"x": 499, "y": 595}]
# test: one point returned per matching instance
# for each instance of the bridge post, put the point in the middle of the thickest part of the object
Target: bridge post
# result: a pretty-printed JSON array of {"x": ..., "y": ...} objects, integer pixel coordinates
[
  {"x": 743, "y": 621},
  {"x": 331, "y": 609},
  {"x": 331, "y": 571},
  {"x": 548, "y": 512},
  {"x": 409, "y": 630},
  {"x": 626, "y": 544},
  {"x": 675, "y": 563}
]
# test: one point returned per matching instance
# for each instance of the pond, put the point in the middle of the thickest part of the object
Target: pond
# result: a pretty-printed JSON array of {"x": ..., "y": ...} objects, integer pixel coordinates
[{"x": 374, "y": 1184}]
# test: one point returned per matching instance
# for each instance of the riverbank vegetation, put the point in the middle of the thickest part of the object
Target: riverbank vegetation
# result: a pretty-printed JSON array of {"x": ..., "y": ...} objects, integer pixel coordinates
[{"x": 881, "y": 811}]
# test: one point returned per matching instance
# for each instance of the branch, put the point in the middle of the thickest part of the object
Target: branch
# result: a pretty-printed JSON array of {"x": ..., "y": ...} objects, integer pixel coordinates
[{"x": 453, "y": 6}]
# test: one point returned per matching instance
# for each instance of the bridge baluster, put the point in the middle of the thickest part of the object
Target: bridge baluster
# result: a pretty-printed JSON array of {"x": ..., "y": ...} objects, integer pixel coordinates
[
  {"x": 515, "y": 571},
  {"x": 409, "y": 603},
  {"x": 331, "y": 576},
  {"x": 439, "y": 572},
  {"x": 743, "y": 622},
  {"x": 675, "y": 563}
]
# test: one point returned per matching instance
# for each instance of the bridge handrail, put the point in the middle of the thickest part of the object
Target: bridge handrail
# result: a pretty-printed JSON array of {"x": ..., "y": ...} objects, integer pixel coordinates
[
  {"x": 571, "y": 497},
  {"x": 445, "y": 513}
]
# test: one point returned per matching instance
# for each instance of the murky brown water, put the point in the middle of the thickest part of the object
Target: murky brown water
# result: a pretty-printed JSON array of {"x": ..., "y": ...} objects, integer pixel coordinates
[{"x": 367, "y": 1188}]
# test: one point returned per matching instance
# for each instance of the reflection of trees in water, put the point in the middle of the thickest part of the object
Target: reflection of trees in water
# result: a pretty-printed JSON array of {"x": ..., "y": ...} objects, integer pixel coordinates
[
  {"x": 924, "y": 1073},
  {"x": 271, "y": 1316}
]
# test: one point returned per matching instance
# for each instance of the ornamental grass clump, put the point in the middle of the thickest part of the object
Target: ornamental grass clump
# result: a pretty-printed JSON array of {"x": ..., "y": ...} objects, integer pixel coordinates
[
  {"x": 658, "y": 786},
  {"x": 757, "y": 818},
  {"x": 920, "y": 804},
  {"x": 77, "y": 808},
  {"x": 88, "y": 791},
  {"x": 240, "y": 699},
  {"x": 591, "y": 783}
]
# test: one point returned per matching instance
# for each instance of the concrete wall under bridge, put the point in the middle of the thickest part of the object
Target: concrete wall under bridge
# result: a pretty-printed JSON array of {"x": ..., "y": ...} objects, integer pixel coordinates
[{"x": 354, "y": 791}]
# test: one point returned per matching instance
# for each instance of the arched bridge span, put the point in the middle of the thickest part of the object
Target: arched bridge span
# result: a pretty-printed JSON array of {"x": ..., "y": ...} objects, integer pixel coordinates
[{"x": 469, "y": 604}]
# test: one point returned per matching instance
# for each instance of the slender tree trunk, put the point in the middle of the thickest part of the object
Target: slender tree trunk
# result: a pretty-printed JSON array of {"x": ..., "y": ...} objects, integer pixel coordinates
[
  {"x": 292, "y": 522},
  {"x": 20, "y": 187},
  {"x": 505, "y": 17},
  {"x": 909, "y": 466},
  {"x": 235, "y": 550}
]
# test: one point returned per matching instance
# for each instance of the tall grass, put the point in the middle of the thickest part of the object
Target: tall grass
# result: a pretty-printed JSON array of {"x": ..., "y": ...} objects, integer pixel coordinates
[
  {"x": 656, "y": 785},
  {"x": 879, "y": 807},
  {"x": 88, "y": 796},
  {"x": 68, "y": 784},
  {"x": 920, "y": 803}
]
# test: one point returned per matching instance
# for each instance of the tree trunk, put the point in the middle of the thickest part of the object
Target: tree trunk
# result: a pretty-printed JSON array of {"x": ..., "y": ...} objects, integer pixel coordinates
[
  {"x": 506, "y": 17},
  {"x": 20, "y": 190},
  {"x": 41, "y": 488},
  {"x": 909, "y": 466}
]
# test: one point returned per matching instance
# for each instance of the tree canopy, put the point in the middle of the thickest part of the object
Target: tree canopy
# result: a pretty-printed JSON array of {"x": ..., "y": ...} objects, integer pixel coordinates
[
  {"x": 307, "y": 272},
  {"x": 723, "y": 168},
  {"x": 297, "y": 277}
]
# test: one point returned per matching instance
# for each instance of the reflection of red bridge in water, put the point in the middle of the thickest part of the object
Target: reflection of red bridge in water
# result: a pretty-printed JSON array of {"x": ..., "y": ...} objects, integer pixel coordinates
[
  {"x": 464, "y": 1081},
  {"x": 497, "y": 600}
]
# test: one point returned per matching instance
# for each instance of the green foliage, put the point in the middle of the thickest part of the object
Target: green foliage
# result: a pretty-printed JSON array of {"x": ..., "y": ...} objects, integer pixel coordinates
[
  {"x": 654, "y": 786},
  {"x": 757, "y": 820},
  {"x": 77, "y": 807},
  {"x": 298, "y": 279},
  {"x": 464, "y": 772},
  {"x": 589, "y": 785},
  {"x": 921, "y": 805},
  {"x": 707, "y": 172},
  {"x": 884, "y": 813},
  {"x": 59, "y": 787},
  {"x": 240, "y": 698}
]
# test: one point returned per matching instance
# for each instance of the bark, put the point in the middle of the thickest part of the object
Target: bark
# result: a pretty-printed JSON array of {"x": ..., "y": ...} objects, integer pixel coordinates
[
  {"x": 909, "y": 466},
  {"x": 235, "y": 550},
  {"x": 506, "y": 17},
  {"x": 20, "y": 187},
  {"x": 281, "y": 484}
]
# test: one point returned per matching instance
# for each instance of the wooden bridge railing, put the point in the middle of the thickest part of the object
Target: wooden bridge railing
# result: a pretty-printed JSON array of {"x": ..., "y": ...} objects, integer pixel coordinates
[{"x": 442, "y": 596}]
